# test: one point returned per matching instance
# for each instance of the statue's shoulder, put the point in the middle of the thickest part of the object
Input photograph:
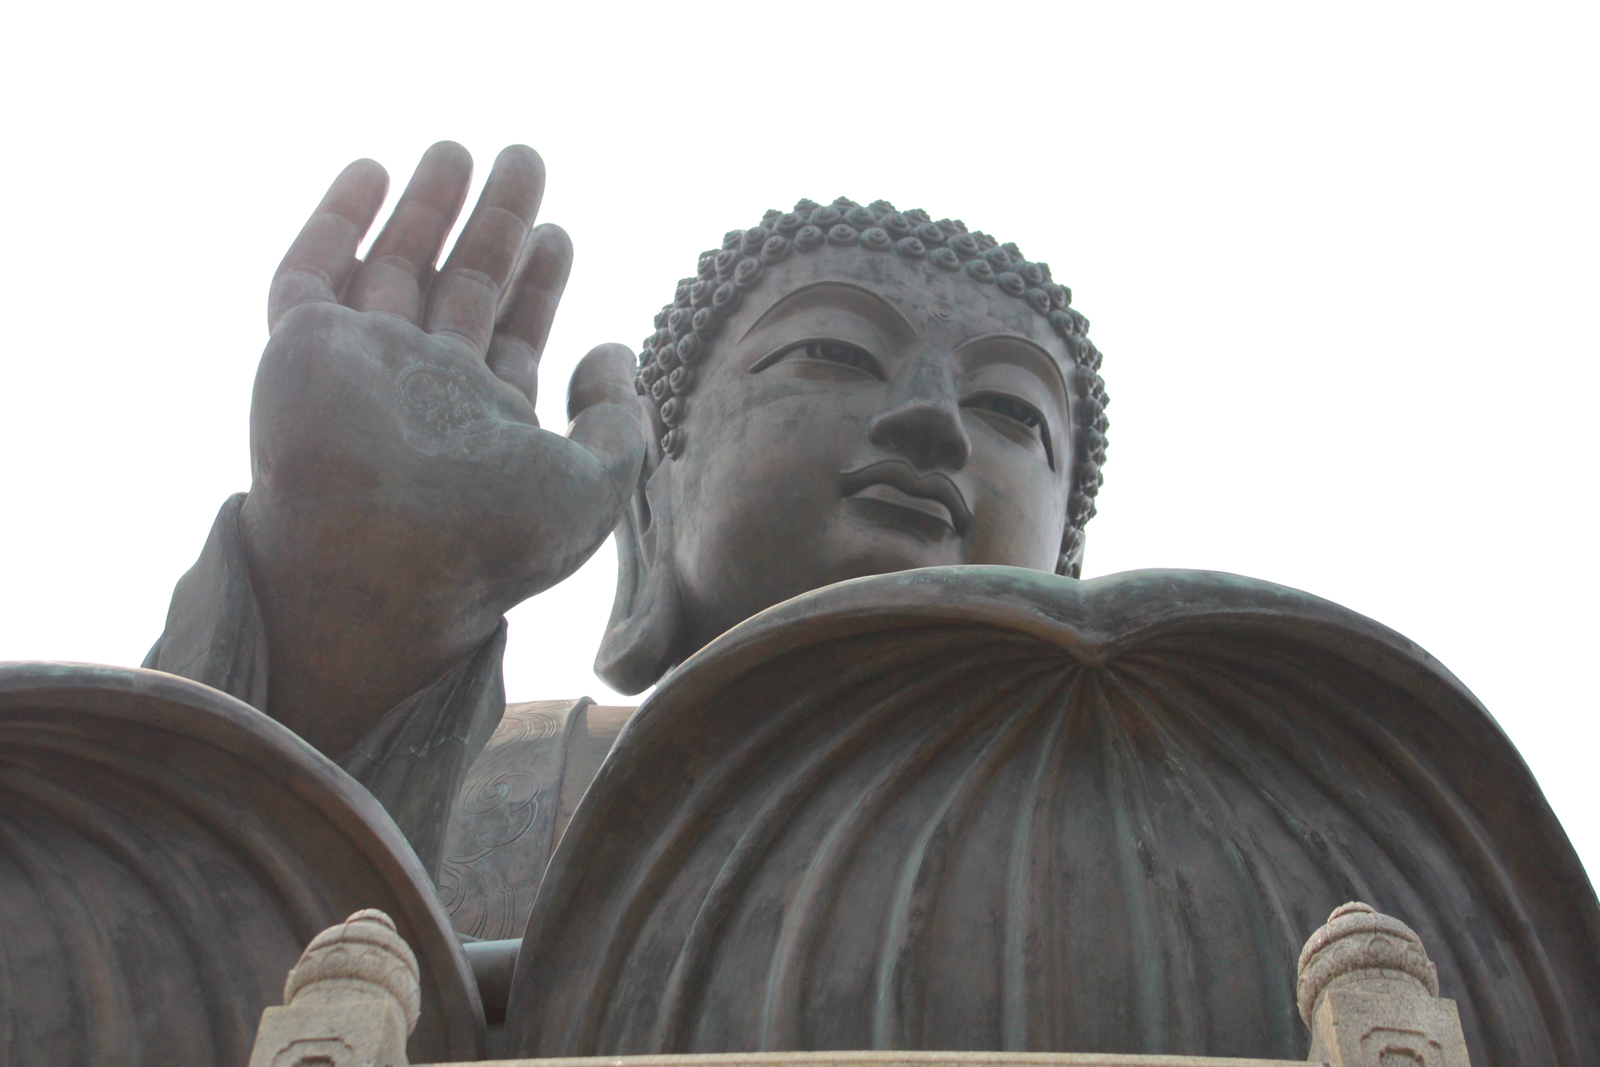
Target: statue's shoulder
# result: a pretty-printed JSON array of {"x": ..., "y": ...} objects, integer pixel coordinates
[{"x": 513, "y": 805}]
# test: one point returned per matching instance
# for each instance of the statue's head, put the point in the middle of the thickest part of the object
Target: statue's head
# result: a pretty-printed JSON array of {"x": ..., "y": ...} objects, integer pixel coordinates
[{"x": 843, "y": 391}]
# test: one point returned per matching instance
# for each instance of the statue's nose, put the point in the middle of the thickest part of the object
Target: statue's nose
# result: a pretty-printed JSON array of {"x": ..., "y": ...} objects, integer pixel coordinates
[{"x": 922, "y": 421}]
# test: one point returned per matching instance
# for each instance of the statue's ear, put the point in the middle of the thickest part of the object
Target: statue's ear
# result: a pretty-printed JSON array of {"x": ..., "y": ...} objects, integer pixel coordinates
[
  {"x": 645, "y": 636},
  {"x": 1071, "y": 561}
]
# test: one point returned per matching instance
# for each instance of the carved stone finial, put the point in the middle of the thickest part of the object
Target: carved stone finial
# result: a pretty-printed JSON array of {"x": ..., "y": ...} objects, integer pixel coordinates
[
  {"x": 353, "y": 998},
  {"x": 1361, "y": 944},
  {"x": 1370, "y": 994}
]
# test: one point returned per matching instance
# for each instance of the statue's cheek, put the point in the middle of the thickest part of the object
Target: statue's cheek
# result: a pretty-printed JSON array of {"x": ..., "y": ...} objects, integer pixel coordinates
[{"x": 1019, "y": 515}]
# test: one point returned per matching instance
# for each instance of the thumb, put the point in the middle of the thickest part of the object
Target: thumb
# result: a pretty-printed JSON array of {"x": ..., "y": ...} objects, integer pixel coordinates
[
  {"x": 608, "y": 419},
  {"x": 604, "y": 376}
]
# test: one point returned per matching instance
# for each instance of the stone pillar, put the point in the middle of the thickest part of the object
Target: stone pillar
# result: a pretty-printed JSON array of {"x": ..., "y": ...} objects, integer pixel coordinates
[
  {"x": 1371, "y": 995},
  {"x": 351, "y": 1001}
]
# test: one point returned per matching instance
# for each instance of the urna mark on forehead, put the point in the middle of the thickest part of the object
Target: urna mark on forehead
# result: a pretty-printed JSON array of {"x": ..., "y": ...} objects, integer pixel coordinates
[{"x": 724, "y": 278}]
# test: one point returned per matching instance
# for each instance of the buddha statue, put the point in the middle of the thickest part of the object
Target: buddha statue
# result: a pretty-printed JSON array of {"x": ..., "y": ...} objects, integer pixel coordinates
[
  {"x": 906, "y": 781},
  {"x": 880, "y": 392}
]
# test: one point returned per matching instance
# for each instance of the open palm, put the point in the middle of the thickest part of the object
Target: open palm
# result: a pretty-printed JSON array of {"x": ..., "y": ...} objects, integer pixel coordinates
[{"x": 403, "y": 494}]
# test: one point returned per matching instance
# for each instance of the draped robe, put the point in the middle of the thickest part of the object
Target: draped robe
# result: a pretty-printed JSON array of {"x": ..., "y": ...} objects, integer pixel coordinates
[{"x": 978, "y": 808}]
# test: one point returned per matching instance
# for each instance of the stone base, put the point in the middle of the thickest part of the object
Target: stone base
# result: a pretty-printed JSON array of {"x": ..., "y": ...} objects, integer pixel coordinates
[{"x": 1352, "y": 1028}]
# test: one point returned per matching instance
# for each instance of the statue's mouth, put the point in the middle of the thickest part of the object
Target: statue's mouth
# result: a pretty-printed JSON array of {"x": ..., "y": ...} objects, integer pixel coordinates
[{"x": 895, "y": 484}]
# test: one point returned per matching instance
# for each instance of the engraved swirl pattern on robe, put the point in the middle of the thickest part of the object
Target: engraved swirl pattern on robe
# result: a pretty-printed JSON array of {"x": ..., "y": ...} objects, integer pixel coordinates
[{"x": 502, "y": 829}]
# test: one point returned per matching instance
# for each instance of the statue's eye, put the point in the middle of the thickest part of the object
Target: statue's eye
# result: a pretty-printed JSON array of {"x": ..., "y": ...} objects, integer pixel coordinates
[
  {"x": 1017, "y": 420},
  {"x": 840, "y": 352},
  {"x": 1010, "y": 408}
]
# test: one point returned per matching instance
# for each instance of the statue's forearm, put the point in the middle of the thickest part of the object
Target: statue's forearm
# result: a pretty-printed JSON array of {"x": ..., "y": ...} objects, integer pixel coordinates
[
  {"x": 358, "y": 612},
  {"x": 404, "y": 729}
]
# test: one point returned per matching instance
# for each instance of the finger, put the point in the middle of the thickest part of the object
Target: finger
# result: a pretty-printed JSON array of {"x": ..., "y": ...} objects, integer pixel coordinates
[
  {"x": 529, "y": 309},
  {"x": 318, "y": 264},
  {"x": 397, "y": 269},
  {"x": 466, "y": 295}
]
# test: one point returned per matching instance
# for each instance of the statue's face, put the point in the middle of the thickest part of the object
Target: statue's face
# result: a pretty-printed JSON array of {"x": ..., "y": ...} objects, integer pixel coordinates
[{"x": 860, "y": 414}]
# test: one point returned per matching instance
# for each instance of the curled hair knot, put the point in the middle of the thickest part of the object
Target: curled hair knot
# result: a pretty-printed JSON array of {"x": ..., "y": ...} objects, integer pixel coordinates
[
  {"x": 754, "y": 238},
  {"x": 911, "y": 248},
  {"x": 824, "y": 217},
  {"x": 776, "y": 249},
  {"x": 748, "y": 274},
  {"x": 876, "y": 239},
  {"x": 897, "y": 224},
  {"x": 843, "y": 235},
  {"x": 963, "y": 244}
]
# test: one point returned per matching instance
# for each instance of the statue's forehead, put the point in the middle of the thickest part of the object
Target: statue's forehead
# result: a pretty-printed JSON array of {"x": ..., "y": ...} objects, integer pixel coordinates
[{"x": 918, "y": 290}]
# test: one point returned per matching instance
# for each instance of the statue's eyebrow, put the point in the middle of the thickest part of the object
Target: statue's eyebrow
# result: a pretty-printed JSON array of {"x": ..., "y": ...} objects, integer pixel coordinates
[
  {"x": 1038, "y": 352},
  {"x": 856, "y": 298}
]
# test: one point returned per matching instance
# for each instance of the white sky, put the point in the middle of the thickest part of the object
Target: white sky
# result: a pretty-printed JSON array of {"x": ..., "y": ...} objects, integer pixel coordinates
[{"x": 1341, "y": 259}]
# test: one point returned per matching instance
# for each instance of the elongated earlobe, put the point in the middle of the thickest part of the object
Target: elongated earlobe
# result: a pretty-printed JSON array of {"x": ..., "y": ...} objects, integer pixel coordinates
[
  {"x": 645, "y": 636},
  {"x": 1071, "y": 560}
]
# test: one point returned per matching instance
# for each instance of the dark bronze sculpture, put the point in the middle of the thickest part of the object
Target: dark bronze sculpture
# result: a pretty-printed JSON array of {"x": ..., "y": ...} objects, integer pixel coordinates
[
  {"x": 166, "y": 851},
  {"x": 893, "y": 813},
  {"x": 1011, "y": 811},
  {"x": 404, "y": 495}
]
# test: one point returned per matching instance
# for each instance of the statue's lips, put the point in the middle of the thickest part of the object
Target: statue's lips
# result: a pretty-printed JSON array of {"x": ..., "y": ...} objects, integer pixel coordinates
[{"x": 896, "y": 484}]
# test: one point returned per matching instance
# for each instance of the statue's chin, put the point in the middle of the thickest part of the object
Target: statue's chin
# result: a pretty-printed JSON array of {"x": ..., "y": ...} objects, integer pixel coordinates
[{"x": 884, "y": 548}]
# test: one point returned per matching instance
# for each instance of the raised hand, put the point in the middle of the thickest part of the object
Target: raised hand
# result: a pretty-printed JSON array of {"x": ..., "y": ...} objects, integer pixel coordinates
[{"x": 403, "y": 494}]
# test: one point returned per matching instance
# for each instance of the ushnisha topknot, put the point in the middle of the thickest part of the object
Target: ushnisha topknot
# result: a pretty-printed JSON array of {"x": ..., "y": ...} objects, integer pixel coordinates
[{"x": 686, "y": 327}]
